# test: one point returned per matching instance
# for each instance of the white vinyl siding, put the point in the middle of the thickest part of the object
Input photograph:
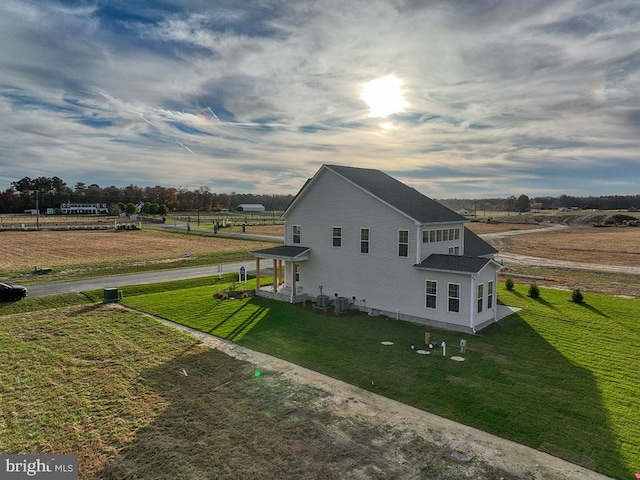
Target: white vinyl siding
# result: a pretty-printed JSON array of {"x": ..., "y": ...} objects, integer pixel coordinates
[
  {"x": 454, "y": 297},
  {"x": 431, "y": 294},
  {"x": 296, "y": 234},
  {"x": 489, "y": 294}
]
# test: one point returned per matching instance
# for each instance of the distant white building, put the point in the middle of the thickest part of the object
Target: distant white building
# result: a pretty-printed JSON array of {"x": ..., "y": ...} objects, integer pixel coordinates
[
  {"x": 83, "y": 208},
  {"x": 250, "y": 207}
]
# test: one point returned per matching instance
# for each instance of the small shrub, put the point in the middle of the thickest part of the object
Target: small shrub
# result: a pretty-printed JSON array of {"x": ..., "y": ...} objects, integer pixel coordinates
[
  {"x": 576, "y": 296},
  {"x": 509, "y": 284},
  {"x": 534, "y": 291}
]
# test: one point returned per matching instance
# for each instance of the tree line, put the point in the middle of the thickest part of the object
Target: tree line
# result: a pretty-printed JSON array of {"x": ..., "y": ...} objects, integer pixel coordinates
[{"x": 51, "y": 192}]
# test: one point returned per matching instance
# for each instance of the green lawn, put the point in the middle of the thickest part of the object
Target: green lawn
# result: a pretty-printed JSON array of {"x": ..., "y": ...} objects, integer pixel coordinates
[{"x": 558, "y": 376}]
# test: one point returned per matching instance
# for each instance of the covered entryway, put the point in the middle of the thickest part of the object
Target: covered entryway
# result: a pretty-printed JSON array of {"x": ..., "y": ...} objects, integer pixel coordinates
[{"x": 286, "y": 258}]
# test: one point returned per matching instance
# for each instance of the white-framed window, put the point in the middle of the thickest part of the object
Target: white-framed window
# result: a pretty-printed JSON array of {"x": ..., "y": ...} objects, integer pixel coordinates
[
  {"x": 432, "y": 236},
  {"x": 456, "y": 234},
  {"x": 431, "y": 293},
  {"x": 296, "y": 271},
  {"x": 403, "y": 243},
  {"x": 454, "y": 297},
  {"x": 452, "y": 233},
  {"x": 296, "y": 233},
  {"x": 438, "y": 235},
  {"x": 425, "y": 236},
  {"x": 480, "y": 297},
  {"x": 490, "y": 294},
  {"x": 364, "y": 240},
  {"x": 337, "y": 236},
  {"x": 445, "y": 235},
  {"x": 454, "y": 250}
]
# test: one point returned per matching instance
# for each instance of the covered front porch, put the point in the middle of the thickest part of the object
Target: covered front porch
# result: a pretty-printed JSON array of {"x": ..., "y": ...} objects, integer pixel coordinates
[{"x": 286, "y": 260}]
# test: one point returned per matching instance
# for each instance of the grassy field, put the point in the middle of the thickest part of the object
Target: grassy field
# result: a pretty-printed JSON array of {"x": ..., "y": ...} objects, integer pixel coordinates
[
  {"x": 558, "y": 376},
  {"x": 107, "y": 384}
]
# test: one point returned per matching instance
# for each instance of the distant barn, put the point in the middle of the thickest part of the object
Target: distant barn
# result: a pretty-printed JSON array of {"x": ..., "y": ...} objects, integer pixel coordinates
[{"x": 250, "y": 207}]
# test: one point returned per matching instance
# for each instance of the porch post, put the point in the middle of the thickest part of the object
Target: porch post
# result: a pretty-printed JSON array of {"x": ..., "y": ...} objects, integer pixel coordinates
[
  {"x": 275, "y": 276},
  {"x": 257, "y": 274},
  {"x": 293, "y": 278}
]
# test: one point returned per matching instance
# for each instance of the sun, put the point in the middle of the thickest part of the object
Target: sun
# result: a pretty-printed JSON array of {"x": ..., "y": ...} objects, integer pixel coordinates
[{"x": 384, "y": 96}]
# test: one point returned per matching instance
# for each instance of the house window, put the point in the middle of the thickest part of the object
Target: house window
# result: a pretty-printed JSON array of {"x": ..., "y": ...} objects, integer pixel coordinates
[
  {"x": 432, "y": 236},
  {"x": 451, "y": 233},
  {"x": 490, "y": 294},
  {"x": 296, "y": 271},
  {"x": 432, "y": 289},
  {"x": 445, "y": 235},
  {"x": 454, "y": 297},
  {"x": 456, "y": 234},
  {"x": 403, "y": 243},
  {"x": 337, "y": 236},
  {"x": 425, "y": 236},
  {"x": 296, "y": 233},
  {"x": 364, "y": 240},
  {"x": 438, "y": 235},
  {"x": 454, "y": 250},
  {"x": 480, "y": 296}
]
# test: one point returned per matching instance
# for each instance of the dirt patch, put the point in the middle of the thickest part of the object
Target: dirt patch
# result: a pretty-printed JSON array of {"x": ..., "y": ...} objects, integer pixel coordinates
[{"x": 68, "y": 249}]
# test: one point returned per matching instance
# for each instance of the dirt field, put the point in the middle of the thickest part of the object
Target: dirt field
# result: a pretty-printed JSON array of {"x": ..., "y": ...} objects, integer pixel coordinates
[{"x": 69, "y": 249}]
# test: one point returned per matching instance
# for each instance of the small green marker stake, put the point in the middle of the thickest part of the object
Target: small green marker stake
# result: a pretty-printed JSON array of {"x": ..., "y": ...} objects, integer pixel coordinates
[{"x": 257, "y": 373}]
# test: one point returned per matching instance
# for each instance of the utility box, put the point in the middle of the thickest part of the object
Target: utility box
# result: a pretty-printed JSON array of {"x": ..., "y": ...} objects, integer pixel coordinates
[
  {"x": 111, "y": 295},
  {"x": 343, "y": 303}
]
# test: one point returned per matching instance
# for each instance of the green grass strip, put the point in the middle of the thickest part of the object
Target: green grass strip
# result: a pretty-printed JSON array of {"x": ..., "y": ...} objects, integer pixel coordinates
[{"x": 558, "y": 376}]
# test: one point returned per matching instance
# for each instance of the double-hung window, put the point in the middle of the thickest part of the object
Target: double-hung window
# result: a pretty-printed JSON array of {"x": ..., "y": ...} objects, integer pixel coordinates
[
  {"x": 431, "y": 292},
  {"x": 364, "y": 240},
  {"x": 337, "y": 236},
  {"x": 296, "y": 231},
  {"x": 454, "y": 297},
  {"x": 480, "y": 296},
  {"x": 403, "y": 243}
]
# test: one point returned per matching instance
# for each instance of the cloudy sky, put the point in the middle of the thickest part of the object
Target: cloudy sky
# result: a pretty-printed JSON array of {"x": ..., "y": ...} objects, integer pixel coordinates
[{"x": 457, "y": 98}]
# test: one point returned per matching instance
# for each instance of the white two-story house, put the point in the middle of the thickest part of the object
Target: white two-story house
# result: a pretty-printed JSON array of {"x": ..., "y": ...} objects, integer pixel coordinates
[{"x": 359, "y": 238}]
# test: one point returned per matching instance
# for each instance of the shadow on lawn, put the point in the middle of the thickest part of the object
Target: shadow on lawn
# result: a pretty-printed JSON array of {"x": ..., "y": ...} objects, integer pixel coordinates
[
  {"x": 222, "y": 421},
  {"x": 553, "y": 405}
]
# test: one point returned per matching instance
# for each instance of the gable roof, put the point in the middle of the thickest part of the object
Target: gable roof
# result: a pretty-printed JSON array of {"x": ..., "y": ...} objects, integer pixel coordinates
[
  {"x": 390, "y": 191},
  {"x": 454, "y": 263},
  {"x": 474, "y": 246}
]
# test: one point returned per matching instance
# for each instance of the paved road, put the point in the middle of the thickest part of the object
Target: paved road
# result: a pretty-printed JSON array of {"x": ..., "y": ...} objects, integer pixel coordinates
[{"x": 134, "y": 279}]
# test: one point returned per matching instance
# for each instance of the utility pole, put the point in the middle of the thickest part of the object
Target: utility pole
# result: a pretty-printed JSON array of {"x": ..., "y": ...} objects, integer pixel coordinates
[{"x": 37, "y": 210}]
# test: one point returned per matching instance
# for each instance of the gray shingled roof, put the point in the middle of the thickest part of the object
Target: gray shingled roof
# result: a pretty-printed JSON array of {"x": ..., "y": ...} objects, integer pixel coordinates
[
  {"x": 474, "y": 246},
  {"x": 400, "y": 196},
  {"x": 453, "y": 263},
  {"x": 283, "y": 251}
]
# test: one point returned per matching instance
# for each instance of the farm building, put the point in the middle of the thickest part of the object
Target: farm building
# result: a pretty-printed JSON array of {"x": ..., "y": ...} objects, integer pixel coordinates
[
  {"x": 358, "y": 238},
  {"x": 83, "y": 208},
  {"x": 250, "y": 207}
]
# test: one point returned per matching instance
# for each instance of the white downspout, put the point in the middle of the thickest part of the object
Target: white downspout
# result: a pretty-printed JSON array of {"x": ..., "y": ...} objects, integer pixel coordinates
[
  {"x": 418, "y": 245},
  {"x": 473, "y": 304}
]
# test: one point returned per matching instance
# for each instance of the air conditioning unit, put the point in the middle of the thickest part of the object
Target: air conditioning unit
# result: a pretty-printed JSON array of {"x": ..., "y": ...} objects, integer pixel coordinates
[
  {"x": 322, "y": 301},
  {"x": 343, "y": 303}
]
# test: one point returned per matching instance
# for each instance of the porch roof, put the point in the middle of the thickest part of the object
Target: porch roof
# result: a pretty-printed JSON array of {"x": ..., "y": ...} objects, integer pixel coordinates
[
  {"x": 284, "y": 252},
  {"x": 454, "y": 263}
]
